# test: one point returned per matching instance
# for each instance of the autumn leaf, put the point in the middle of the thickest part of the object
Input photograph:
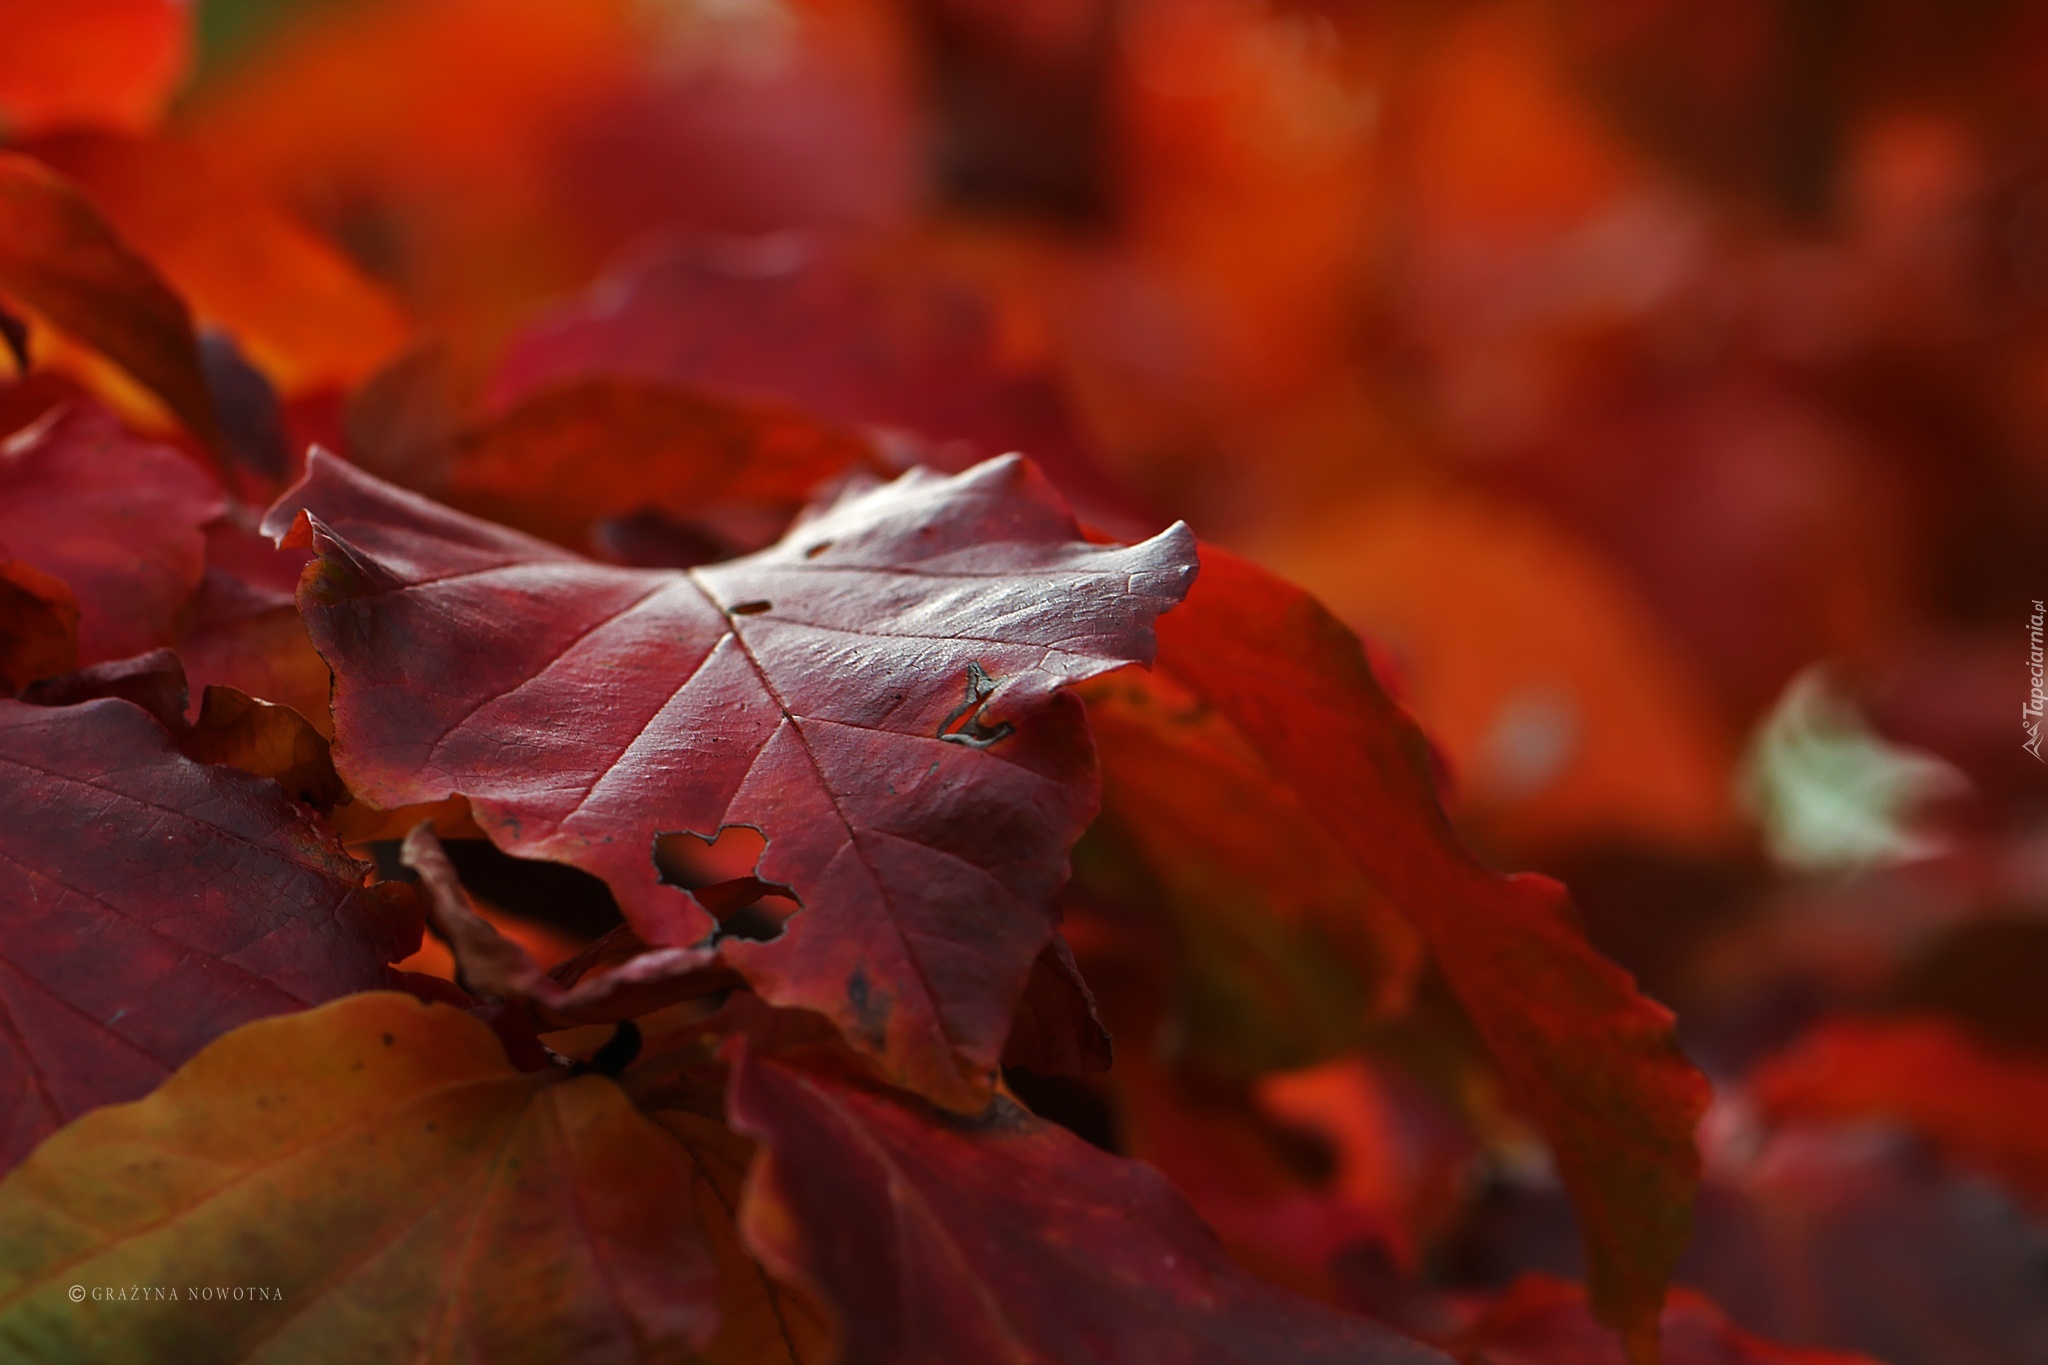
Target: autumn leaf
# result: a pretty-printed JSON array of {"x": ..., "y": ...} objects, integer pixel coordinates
[
  {"x": 944, "y": 1238},
  {"x": 1592, "y": 1060},
  {"x": 1543, "y": 1321},
  {"x": 242, "y": 629},
  {"x": 792, "y": 319},
  {"x": 380, "y": 1167},
  {"x": 152, "y": 681},
  {"x": 1284, "y": 952},
  {"x": 118, "y": 519},
  {"x": 304, "y": 313},
  {"x": 152, "y": 903},
  {"x": 495, "y": 967},
  {"x": 38, "y": 625},
  {"x": 1056, "y": 1030},
  {"x": 877, "y": 695},
  {"x": 1260, "y": 1184},
  {"x": 761, "y": 1320},
  {"x": 110, "y": 63},
  {"x": 1985, "y": 1107},
  {"x": 268, "y": 740},
  {"x": 563, "y": 459},
  {"x": 59, "y": 258},
  {"x": 1797, "y": 1226}
]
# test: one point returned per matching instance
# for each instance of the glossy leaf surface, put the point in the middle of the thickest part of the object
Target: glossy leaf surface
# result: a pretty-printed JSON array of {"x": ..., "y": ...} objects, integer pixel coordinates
[{"x": 877, "y": 695}]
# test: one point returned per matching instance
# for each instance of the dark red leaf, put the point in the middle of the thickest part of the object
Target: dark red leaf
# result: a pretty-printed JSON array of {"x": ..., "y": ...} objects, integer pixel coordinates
[
  {"x": 38, "y": 625},
  {"x": 877, "y": 695},
  {"x": 1592, "y": 1060},
  {"x": 1851, "y": 1237},
  {"x": 788, "y": 317},
  {"x": 566, "y": 458},
  {"x": 1056, "y": 1031},
  {"x": 154, "y": 681},
  {"x": 1282, "y": 952},
  {"x": 944, "y": 1239},
  {"x": 252, "y": 432},
  {"x": 117, "y": 518},
  {"x": 1542, "y": 1321},
  {"x": 242, "y": 627},
  {"x": 496, "y": 968},
  {"x": 149, "y": 904}
]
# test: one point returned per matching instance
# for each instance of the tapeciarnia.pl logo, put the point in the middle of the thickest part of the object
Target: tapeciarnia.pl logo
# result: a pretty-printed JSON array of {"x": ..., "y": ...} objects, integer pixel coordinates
[{"x": 2030, "y": 714}]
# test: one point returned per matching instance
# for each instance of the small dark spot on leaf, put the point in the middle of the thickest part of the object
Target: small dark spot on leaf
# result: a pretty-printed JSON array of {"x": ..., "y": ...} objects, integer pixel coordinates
[
  {"x": 870, "y": 1008},
  {"x": 389, "y": 1040},
  {"x": 749, "y": 608},
  {"x": 817, "y": 549}
]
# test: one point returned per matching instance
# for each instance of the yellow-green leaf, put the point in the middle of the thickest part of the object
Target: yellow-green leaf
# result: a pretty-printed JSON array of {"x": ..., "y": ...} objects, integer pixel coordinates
[{"x": 379, "y": 1184}]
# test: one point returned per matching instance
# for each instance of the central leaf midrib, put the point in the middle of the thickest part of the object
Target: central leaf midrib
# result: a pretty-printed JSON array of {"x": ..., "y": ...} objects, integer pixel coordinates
[{"x": 852, "y": 833}]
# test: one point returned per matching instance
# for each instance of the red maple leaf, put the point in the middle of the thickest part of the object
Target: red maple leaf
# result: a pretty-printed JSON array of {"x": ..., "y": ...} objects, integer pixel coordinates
[{"x": 878, "y": 695}]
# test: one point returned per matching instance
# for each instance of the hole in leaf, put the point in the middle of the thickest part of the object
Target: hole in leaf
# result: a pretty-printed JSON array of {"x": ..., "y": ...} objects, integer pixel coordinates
[
  {"x": 719, "y": 875},
  {"x": 760, "y": 920},
  {"x": 966, "y": 723},
  {"x": 693, "y": 862},
  {"x": 750, "y": 608}
]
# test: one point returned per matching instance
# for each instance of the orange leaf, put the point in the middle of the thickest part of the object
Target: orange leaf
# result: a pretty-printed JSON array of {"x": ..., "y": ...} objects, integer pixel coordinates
[
  {"x": 59, "y": 257},
  {"x": 305, "y": 315},
  {"x": 1592, "y": 1060},
  {"x": 268, "y": 740},
  {"x": 761, "y": 1321},
  {"x": 1563, "y": 710},
  {"x": 109, "y": 63}
]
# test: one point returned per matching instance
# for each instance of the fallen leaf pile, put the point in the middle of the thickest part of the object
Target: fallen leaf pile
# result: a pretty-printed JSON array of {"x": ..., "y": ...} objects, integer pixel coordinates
[{"x": 867, "y": 681}]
